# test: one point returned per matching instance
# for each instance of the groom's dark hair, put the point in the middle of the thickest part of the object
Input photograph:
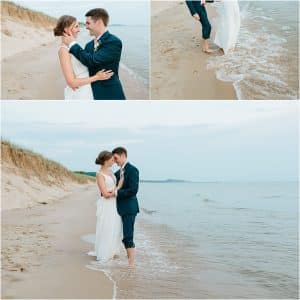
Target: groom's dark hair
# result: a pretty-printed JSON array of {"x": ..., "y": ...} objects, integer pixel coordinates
[
  {"x": 119, "y": 151},
  {"x": 98, "y": 13}
]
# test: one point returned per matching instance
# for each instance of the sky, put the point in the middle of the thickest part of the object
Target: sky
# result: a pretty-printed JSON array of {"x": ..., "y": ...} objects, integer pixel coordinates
[
  {"x": 133, "y": 13},
  {"x": 190, "y": 140}
]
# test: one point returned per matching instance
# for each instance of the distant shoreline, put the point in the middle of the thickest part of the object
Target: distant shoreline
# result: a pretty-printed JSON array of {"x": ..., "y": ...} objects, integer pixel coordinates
[{"x": 173, "y": 180}]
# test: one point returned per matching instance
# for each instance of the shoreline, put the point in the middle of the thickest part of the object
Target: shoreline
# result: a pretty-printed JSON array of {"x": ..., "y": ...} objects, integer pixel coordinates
[
  {"x": 179, "y": 68},
  {"x": 50, "y": 237},
  {"x": 164, "y": 265},
  {"x": 52, "y": 234},
  {"x": 55, "y": 237}
]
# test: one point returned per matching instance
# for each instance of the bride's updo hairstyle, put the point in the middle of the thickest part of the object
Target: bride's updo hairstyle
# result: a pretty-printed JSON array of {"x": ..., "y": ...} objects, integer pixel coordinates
[
  {"x": 103, "y": 157},
  {"x": 63, "y": 23}
]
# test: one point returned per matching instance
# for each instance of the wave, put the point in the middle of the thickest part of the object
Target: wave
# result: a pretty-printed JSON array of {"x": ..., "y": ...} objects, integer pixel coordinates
[
  {"x": 263, "y": 64},
  {"x": 148, "y": 211},
  {"x": 143, "y": 81}
]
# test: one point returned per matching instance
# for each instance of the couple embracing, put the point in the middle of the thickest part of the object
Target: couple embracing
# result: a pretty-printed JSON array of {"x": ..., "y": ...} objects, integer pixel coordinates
[
  {"x": 117, "y": 206},
  {"x": 228, "y": 26},
  {"x": 91, "y": 73}
]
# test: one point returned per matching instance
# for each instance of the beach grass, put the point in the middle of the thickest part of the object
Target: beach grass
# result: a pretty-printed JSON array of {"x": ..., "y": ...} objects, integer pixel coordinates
[
  {"x": 10, "y": 9},
  {"x": 30, "y": 164}
]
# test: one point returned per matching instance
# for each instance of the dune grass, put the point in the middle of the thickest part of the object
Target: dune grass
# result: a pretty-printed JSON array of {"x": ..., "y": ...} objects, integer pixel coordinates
[
  {"x": 36, "y": 18},
  {"x": 30, "y": 164}
]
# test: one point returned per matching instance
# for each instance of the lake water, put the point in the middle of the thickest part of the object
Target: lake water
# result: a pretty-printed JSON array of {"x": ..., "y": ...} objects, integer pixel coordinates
[
  {"x": 213, "y": 240},
  {"x": 265, "y": 63}
]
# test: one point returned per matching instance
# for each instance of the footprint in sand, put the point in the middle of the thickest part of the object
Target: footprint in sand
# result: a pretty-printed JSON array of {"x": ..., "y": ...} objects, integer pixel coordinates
[
  {"x": 195, "y": 73},
  {"x": 16, "y": 268},
  {"x": 167, "y": 50},
  {"x": 157, "y": 74},
  {"x": 45, "y": 236}
]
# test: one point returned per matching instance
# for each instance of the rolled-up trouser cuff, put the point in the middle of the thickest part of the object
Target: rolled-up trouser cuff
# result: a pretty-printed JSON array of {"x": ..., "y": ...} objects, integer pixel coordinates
[
  {"x": 128, "y": 230},
  {"x": 129, "y": 244}
]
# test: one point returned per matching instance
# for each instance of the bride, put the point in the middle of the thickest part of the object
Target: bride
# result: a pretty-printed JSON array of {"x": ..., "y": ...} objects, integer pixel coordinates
[
  {"x": 228, "y": 25},
  {"x": 75, "y": 73},
  {"x": 109, "y": 224}
]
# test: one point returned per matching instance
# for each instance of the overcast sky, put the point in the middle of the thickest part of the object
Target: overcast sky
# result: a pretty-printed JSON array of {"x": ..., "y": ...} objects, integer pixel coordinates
[
  {"x": 129, "y": 13},
  {"x": 205, "y": 141}
]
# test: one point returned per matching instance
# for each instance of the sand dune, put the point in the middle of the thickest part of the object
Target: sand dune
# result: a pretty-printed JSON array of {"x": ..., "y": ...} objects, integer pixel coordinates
[
  {"x": 28, "y": 179},
  {"x": 20, "y": 13},
  {"x": 23, "y": 29}
]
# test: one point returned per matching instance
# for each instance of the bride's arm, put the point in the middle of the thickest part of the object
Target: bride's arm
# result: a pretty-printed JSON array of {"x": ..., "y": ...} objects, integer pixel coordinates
[
  {"x": 72, "y": 81},
  {"x": 102, "y": 187}
]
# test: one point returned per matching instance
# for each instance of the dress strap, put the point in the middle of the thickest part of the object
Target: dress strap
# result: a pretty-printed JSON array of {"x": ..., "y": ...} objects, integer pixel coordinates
[
  {"x": 64, "y": 46},
  {"x": 105, "y": 175},
  {"x": 101, "y": 173}
]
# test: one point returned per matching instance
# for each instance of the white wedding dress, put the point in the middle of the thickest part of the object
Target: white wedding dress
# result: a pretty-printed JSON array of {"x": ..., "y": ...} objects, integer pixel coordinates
[
  {"x": 80, "y": 71},
  {"x": 228, "y": 25},
  {"x": 109, "y": 229}
]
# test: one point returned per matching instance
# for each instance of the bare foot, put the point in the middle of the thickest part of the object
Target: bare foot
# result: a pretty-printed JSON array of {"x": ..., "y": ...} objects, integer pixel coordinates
[{"x": 207, "y": 50}]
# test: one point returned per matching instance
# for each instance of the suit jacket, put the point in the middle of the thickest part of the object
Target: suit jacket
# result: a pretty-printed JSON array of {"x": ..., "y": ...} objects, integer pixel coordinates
[
  {"x": 106, "y": 56},
  {"x": 127, "y": 203}
]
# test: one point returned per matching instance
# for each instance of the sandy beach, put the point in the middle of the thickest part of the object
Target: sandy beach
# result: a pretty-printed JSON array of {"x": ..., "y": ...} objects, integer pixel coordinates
[
  {"x": 48, "y": 226},
  {"x": 33, "y": 49},
  {"x": 43, "y": 206},
  {"x": 41, "y": 247},
  {"x": 178, "y": 66},
  {"x": 42, "y": 78}
]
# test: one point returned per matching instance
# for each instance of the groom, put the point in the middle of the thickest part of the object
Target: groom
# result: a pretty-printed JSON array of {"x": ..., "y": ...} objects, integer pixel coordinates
[
  {"x": 127, "y": 204},
  {"x": 104, "y": 52},
  {"x": 198, "y": 11}
]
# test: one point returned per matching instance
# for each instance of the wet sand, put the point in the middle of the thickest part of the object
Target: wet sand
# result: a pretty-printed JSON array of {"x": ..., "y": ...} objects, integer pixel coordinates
[
  {"x": 43, "y": 246},
  {"x": 163, "y": 270},
  {"x": 178, "y": 66}
]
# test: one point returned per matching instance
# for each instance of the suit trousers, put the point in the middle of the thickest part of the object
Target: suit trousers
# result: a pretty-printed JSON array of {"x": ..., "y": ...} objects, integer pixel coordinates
[
  {"x": 128, "y": 230},
  {"x": 206, "y": 27}
]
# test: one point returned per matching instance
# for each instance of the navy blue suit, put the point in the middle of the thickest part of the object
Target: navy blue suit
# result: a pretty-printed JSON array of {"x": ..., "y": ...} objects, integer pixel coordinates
[
  {"x": 195, "y": 7},
  {"x": 107, "y": 56},
  {"x": 127, "y": 204}
]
